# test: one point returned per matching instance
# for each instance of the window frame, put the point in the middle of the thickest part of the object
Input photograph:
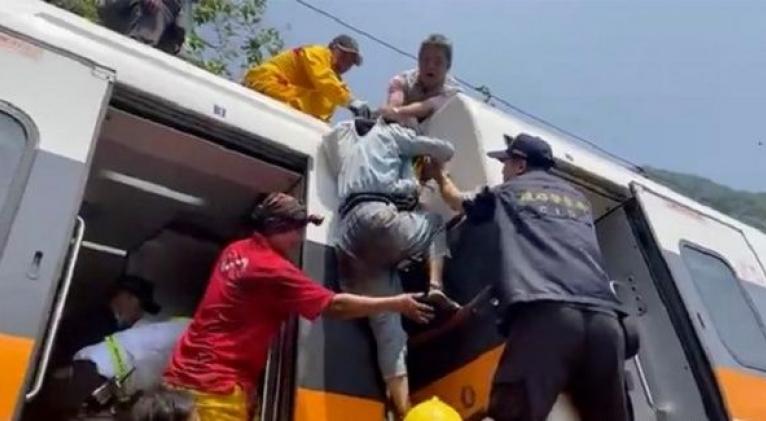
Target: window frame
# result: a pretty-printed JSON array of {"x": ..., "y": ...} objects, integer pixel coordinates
[
  {"x": 10, "y": 204},
  {"x": 756, "y": 315}
]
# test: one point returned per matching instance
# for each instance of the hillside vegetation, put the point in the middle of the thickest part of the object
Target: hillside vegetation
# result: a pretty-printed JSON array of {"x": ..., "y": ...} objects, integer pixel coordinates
[{"x": 745, "y": 206}]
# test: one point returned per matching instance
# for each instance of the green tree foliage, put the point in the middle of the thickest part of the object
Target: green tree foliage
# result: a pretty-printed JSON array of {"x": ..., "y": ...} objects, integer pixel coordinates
[
  {"x": 85, "y": 8},
  {"x": 747, "y": 207},
  {"x": 227, "y": 35}
]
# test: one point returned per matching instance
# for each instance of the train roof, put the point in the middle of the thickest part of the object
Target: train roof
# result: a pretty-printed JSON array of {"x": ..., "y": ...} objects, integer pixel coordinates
[{"x": 155, "y": 74}]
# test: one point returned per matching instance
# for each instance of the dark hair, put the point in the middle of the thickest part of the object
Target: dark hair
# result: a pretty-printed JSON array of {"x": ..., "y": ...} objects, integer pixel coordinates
[
  {"x": 363, "y": 125},
  {"x": 280, "y": 212},
  {"x": 163, "y": 405},
  {"x": 139, "y": 287},
  {"x": 438, "y": 40}
]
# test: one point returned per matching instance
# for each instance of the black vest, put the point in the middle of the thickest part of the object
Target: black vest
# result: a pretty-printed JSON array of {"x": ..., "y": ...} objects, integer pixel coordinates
[{"x": 546, "y": 247}]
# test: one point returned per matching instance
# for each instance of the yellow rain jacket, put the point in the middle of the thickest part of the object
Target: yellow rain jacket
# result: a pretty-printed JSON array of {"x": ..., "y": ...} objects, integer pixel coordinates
[{"x": 302, "y": 78}]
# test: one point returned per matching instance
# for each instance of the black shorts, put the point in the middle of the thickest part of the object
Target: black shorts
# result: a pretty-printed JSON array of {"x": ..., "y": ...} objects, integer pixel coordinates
[{"x": 554, "y": 347}]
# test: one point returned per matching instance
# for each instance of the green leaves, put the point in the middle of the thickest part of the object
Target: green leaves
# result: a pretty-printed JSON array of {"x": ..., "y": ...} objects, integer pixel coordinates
[
  {"x": 229, "y": 36},
  {"x": 746, "y": 206},
  {"x": 85, "y": 8}
]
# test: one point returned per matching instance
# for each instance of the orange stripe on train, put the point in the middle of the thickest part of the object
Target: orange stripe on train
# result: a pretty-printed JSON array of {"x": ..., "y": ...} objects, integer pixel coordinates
[
  {"x": 14, "y": 357},
  {"x": 315, "y": 405},
  {"x": 467, "y": 388},
  {"x": 744, "y": 393}
]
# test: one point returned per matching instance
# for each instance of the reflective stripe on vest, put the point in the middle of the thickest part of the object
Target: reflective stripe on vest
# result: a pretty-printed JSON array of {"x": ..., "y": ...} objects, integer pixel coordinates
[{"x": 118, "y": 358}]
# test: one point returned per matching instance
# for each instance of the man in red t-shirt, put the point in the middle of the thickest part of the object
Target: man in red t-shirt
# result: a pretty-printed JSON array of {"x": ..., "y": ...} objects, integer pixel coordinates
[{"x": 254, "y": 288}]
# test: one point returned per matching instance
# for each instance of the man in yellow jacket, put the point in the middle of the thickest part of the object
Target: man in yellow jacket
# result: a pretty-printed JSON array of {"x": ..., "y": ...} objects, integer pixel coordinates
[{"x": 308, "y": 78}]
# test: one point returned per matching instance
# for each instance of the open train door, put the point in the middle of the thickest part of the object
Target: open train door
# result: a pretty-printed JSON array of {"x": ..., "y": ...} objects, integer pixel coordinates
[
  {"x": 716, "y": 277},
  {"x": 51, "y": 105}
]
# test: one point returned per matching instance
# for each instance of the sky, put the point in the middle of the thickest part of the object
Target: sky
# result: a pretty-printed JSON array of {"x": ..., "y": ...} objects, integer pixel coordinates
[{"x": 678, "y": 85}]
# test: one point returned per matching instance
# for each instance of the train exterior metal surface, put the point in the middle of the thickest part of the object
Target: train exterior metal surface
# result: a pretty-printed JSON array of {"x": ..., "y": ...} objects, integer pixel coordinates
[{"x": 704, "y": 284}]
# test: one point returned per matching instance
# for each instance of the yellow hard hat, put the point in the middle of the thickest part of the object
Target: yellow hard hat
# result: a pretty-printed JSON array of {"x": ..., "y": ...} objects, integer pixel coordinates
[{"x": 432, "y": 410}]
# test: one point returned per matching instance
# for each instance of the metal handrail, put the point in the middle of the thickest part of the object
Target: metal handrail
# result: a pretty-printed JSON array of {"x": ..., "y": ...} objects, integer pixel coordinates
[
  {"x": 645, "y": 383},
  {"x": 57, "y": 312}
]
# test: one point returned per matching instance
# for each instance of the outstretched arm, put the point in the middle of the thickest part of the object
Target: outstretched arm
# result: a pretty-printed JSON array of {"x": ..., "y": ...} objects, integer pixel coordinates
[
  {"x": 452, "y": 196},
  {"x": 295, "y": 292},
  {"x": 477, "y": 207},
  {"x": 418, "y": 110},
  {"x": 349, "y": 306},
  {"x": 396, "y": 109},
  {"x": 412, "y": 145}
]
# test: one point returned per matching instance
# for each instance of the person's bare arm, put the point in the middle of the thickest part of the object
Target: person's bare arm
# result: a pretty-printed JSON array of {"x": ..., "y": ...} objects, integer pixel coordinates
[
  {"x": 419, "y": 110},
  {"x": 452, "y": 196},
  {"x": 395, "y": 92},
  {"x": 477, "y": 207},
  {"x": 395, "y": 108},
  {"x": 349, "y": 306}
]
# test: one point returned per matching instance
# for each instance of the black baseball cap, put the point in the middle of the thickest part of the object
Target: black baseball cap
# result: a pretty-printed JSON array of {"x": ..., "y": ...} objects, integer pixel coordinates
[
  {"x": 532, "y": 148},
  {"x": 347, "y": 44}
]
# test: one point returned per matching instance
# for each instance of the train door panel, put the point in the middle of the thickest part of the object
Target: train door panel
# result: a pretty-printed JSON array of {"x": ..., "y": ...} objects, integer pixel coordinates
[
  {"x": 713, "y": 267},
  {"x": 51, "y": 106},
  {"x": 660, "y": 384}
]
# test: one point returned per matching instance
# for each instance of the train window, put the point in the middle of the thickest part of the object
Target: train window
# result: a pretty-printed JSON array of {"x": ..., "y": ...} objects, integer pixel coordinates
[
  {"x": 13, "y": 140},
  {"x": 15, "y": 154},
  {"x": 726, "y": 303}
]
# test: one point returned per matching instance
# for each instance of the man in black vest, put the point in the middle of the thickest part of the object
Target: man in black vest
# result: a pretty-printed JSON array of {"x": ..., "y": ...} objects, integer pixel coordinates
[{"x": 557, "y": 308}]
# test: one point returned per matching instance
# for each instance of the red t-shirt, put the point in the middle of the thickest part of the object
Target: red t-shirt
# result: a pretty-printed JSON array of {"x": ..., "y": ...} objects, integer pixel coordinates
[{"x": 251, "y": 291}]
